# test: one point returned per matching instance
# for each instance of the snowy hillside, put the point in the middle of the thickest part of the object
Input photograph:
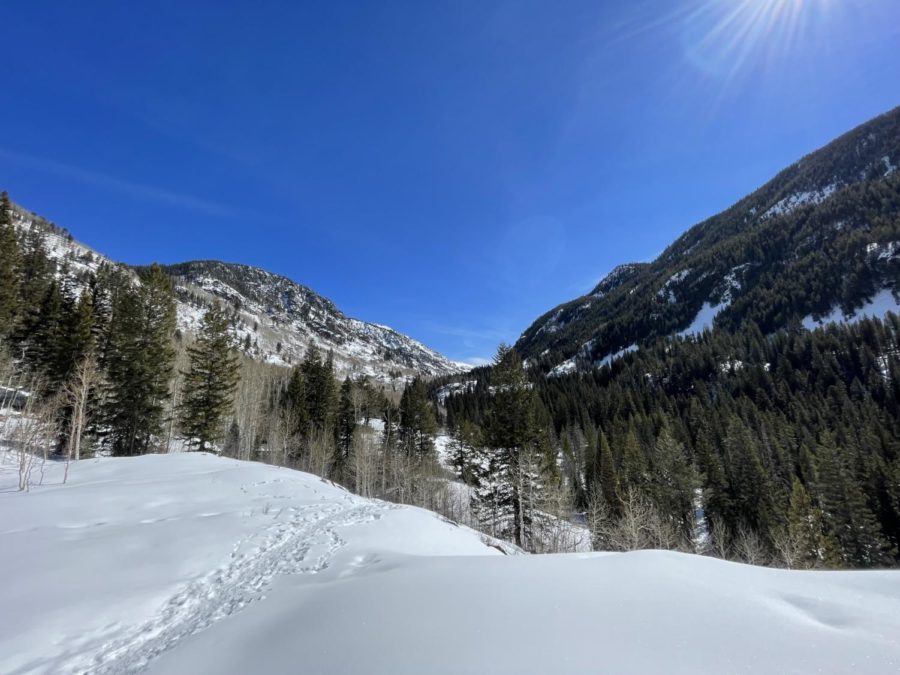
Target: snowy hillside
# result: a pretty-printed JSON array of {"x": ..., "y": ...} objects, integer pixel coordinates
[
  {"x": 191, "y": 563},
  {"x": 816, "y": 243},
  {"x": 280, "y": 317}
]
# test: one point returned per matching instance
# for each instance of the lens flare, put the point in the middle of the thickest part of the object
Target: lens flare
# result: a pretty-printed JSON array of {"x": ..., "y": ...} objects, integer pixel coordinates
[{"x": 722, "y": 37}]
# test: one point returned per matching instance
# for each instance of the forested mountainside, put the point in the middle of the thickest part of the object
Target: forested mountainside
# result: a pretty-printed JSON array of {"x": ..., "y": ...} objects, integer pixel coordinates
[
  {"x": 743, "y": 389},
  {"x": 823, "y": 235},
  {"x": 272, "y": 318}
]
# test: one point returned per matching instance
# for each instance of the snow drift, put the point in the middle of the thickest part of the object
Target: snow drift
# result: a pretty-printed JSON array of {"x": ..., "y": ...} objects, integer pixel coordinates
[{"x": 192, "y": 563}]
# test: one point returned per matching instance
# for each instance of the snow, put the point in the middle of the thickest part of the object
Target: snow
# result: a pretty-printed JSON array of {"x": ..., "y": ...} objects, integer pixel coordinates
[
  {"x": 191, "y": 563},
  {"x": 443, "y": 393},
  {"x": 879, "y": 305},
  {"x": 704, "y": 319},
  {"x": 565, "y": 368},
  {"x": 666, "y": 293},
  {"x": 609, "y": 358},
  {"x": 147, "y": 551},
  {"x": 796, "y": 200}
]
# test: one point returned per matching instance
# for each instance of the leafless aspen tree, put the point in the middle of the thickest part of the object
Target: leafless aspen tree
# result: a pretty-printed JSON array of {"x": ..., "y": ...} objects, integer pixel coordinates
[{"x": 77, "y": 393}]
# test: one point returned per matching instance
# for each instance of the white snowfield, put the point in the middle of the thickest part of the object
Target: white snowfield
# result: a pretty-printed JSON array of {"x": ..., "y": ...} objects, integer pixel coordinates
[{"x": 196, "y": 564}]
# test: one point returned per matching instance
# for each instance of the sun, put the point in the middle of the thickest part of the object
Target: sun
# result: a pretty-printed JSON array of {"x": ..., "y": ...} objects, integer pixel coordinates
[{"x": 721, "y": 37}]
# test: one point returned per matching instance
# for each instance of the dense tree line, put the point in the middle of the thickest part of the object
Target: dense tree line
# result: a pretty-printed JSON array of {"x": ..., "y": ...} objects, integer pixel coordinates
[
  {"x": 101, "y": 350},
  {"x": 790, "y": 441}
]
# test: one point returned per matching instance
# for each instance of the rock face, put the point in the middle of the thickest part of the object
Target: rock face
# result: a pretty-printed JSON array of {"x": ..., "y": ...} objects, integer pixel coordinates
[
  {"x": 820, "y": 241},
  {"x": 281, "y": 318},
  {"x": 274, "y": 319}
]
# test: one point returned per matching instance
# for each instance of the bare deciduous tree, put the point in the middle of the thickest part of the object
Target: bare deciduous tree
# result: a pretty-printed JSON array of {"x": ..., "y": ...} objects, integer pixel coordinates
[{"x": 76, "y": 394}]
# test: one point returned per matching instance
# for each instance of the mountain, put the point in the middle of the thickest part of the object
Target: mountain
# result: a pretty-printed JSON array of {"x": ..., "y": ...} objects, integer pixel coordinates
[
  {"x": 820, "y": 242},
  {"x": 274, "y": 319},
  {"x": 281, "y": 318}
]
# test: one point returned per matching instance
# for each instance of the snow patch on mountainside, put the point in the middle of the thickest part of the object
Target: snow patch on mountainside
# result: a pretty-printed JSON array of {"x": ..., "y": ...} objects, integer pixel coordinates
[
  {"x": 704, "y": 319},
  {"x": 796, "y": 200},
  {"x": 609, "y": 358},
  {"x": 881, "y": 303}
]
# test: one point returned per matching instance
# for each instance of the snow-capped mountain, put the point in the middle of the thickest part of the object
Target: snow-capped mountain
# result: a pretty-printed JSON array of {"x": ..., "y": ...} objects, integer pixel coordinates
[
  {"x": 818, "y": 243},
  {"x": 274, "y": 319}
]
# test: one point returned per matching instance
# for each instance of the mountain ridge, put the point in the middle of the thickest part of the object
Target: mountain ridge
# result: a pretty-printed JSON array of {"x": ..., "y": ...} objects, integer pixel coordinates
[
  {"x": 274, "y": 318},
  {"x": 831, "y": 208}
]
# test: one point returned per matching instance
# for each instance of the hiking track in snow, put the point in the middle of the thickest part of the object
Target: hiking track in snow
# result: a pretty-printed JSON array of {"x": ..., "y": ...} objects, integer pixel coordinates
[{"x": 302, "y": 543}]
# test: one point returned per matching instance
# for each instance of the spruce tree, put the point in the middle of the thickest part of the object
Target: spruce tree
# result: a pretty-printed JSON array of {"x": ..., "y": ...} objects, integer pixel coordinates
[
  {"x": 608, "y": 479},
  {"x": 807, "y": 533},
  {"x": 512, "y": 484},
  {"x": 847, "y": 512},
  {"x": 417, "y": 421},
  {"x": 209, "y": 383},
  {"x": 10, "y": 269},
  {"x": 346, "y": 427},
  {"x": 139, "y": 359}
]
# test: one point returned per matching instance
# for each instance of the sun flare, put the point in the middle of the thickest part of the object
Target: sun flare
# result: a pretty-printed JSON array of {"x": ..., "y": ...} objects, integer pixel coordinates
[{"x": 723, "y": 36}]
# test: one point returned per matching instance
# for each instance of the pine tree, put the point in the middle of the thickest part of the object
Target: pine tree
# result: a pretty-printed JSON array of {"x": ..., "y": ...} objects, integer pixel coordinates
[
  {"x": 608, "y": 479},
  {"x": 635, "y": 474},
  {"x": 346, "y": 427},
  {"x": 464, "y": 440},
  {"x": 209, "y": 383},
  {"x": 417, "y": 422},
  {"x": 511, "y": 486},
  {"x": 139, "y": 358},
  {"x": 847, "y": 513},
  {"x": 674, "y": 481},
  {"x": 318, "y": 377},
  {"x": 806, "y": 531},
  {"x": 295, "y": 403},
  {"x": 10, "y": 269}
]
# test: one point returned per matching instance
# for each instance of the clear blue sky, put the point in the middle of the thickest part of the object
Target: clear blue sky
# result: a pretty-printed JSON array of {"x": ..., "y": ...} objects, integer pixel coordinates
[{"x": 453, "y": 169}]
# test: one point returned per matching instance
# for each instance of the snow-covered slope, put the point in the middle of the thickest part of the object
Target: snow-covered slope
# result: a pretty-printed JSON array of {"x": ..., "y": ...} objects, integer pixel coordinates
[
  {"x": 191, "y": 563},
  {"x": 280, "y": 317}
]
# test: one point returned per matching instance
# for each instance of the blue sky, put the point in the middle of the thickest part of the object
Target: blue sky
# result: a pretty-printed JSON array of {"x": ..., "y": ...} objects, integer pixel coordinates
[{"x": 453, "y": 169}]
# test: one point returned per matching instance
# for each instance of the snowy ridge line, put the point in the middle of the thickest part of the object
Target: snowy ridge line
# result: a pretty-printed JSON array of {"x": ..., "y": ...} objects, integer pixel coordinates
[{"x": 304, "y": 544}]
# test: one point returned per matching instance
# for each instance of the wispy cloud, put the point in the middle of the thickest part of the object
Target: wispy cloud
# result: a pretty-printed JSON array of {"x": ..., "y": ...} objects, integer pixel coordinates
[{"x": 135, "y": 189}]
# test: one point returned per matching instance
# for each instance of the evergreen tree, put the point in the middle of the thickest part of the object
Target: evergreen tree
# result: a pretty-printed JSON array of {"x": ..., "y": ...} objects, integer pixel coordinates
[
  {"x": 318, "y": 377},
  {"x": 139, "y": 362},
  {"x": 847, "y": 513},
  {"x": 806, "y": 530},
  {"x": 635, "y": 474},
  {"x": 295, "y": 403},
  {"x": 417, "y": 421},
  {"x": 10, "y": 269},
  {"x": 512, "y": 485},
  {"x": 209, "y": 383},
  {"x": 607, "y": 479},
  {"x": 674, "y": 481},
  {"x": 346, "y": 427}
]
